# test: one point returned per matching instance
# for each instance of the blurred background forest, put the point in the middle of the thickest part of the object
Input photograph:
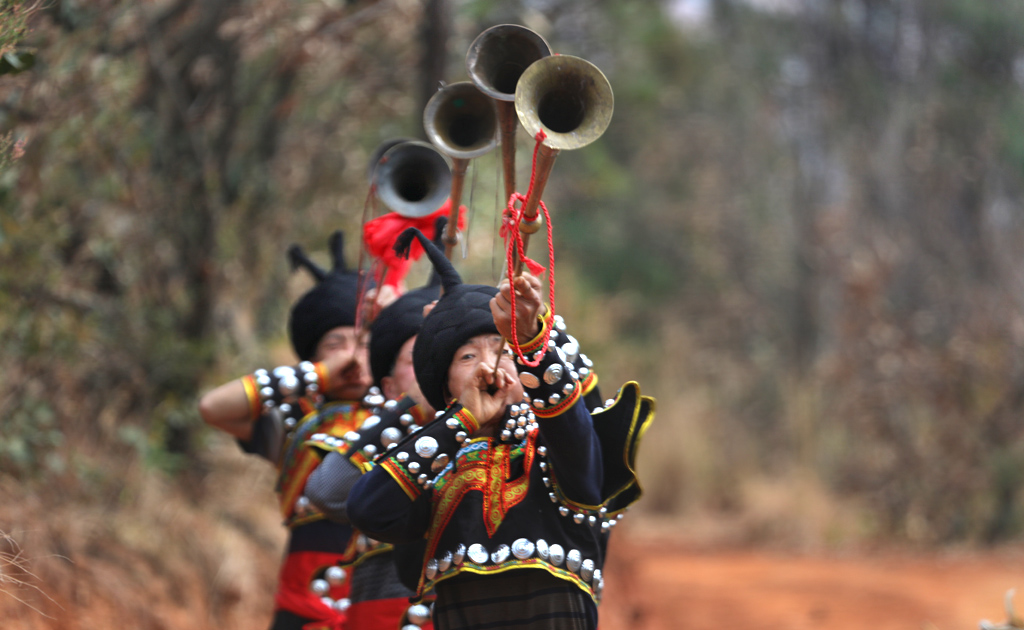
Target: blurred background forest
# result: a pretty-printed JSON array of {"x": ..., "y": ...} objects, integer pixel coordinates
[{"x": 802, "y": 233}]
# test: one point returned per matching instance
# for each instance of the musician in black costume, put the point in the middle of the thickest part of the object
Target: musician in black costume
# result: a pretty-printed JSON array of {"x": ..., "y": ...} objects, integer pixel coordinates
[{"x": 514, "y": 486}]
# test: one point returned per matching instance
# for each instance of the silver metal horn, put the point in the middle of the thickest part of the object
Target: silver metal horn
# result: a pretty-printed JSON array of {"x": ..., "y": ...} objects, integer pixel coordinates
[{"x": 413, "y": 179}]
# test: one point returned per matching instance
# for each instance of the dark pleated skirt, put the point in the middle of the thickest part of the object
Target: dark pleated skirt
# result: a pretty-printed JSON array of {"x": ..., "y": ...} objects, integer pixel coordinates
[{"x": 520, "y": 599}]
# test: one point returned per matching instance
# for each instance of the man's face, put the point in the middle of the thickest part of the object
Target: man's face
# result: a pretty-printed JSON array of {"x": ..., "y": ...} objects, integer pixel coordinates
[
  {"x": 344, "y": 351},
  {"x": 402, "y": 379},
  {"x": 462, "y": 373}
]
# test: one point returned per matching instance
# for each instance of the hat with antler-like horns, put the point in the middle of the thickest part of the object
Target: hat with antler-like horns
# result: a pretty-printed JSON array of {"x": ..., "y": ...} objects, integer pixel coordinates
[
  {"x": 402, "y": 319},
  {"x": 328, "y": 305},
  {"x": 463, "y": 312}
]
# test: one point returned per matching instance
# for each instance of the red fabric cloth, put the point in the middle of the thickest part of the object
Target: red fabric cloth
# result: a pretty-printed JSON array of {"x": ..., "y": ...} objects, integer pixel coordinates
[
  {"x": 380, "y": 234},
  {"x": 380, "y": 614},
  {"x": 293, "y": 594}
]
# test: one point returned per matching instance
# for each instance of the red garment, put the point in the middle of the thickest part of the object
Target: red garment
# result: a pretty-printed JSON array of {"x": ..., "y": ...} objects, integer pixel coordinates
[
  {"x": 380, "y": 614},
  {"x": 380, "y": 234},
  {"x": 294, "y": 595}
]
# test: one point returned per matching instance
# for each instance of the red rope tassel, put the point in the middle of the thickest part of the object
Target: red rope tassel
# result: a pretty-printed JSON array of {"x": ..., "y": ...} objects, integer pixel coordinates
[{"x": 511, "y": 218}]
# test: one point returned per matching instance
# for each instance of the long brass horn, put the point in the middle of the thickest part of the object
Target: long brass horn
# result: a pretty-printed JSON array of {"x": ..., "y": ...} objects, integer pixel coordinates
[
  {"x": 462, "y": 122},
  {"x": 413, "y": 179},
  {"x": 496, "y": 60},
  {"x": 571, "y": 100}
]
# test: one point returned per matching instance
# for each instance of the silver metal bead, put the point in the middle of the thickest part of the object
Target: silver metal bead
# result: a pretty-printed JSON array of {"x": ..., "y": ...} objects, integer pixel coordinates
[
  {"x": 564, "y": 511},
  {"x": 302, "y": 505},
  {"x": 587, "y": 570},
  {"x": 529, "y": 380},
  {"x": 551, "y": 344},
  {"x": 351, "y": 436},
  {"x": 418, "y": 614},
  {"x": 538, "y": 403},
  {"x": 553, "y": 497},
  {"x": 547, "y": 481},
  {"x": 390, "y": 435},
  {"x": 310, "y": 378},
  {"x": 327, "y": 601},
  {"x": 406, "y": 419},
  {"x": 612, "y": 523},
  {"x": 522, "y": 421},
  {"x": 288, "y": 384},
  {"x": 554, "y": 399},
  {"x": 444, "y": 562},
  {"x": 542, "y": 451},
  {"x": 289, "y": 422},
  {"x": 559, "y": 323},
  {"x": 335, "y": 575},
  {"x": 609, "y": 402},
  {"x": 460, "y": 437},
  {"x": 341, "y": 605},
  {"x": 370, "y": 450},
  {"x": 587, "y": 362},
  {"x": 592, "y": 520},
  {"x": 568, "y": 387},
  {"x": 438, "y": 414},
  {"x": 571, "y": 349},
  {"x": 516, "y": 410},
  {"x": 414, "y": 467},
  {"x": 391, "y": 405},
  {"x": 452, "y": 424},
  {"x": 574, "y": 560},
  {"x": 439, "y": 462},
  {"x": 520, "y": 433},
  {"x": 605, "y": 526},
  {"x": 426, "y": 446},
  {"x": 312, "y": 388},
  {"x": 583, "y": 372},
  {"x": 477, "y": 553},
  {"x": 510, "y": 424},
  {"x": 402, "y": 457},
  {"x": 285, "y": 408},
  {"x": 320, "y": 587},
  {"x": 522, "y": 548},
  {"x": 422, "y": 479},
  {"x": 579, "y": 517},
  {"x": 556, "y": 554},
  {"x": 554, "y": 334},
  {"x": 500, "y": 554},
  {"x": 553, "y": 373},
  {"x": 542, "y": 549},
  {"x": 262, "y": 378},
  {"x": 267, "y": 393},
  {"x": 370, "y": 422},
  {"x": 307, "y": 366},
  {"x": 506, "y": 435},
  {"x": 602, "y": 511},
  {"x": 459, "y": 555},
  {"x": 544, "y": 466},
  {"x": 283, "y": 371},
  {"x": 430, "y": 571}
]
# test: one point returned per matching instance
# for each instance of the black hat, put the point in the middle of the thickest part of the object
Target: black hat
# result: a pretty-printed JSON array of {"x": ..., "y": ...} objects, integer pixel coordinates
[
  {"x": 331, "y": 303},
  {"x": 463, "y": 312},
  {"x": 401, "y": 320}
]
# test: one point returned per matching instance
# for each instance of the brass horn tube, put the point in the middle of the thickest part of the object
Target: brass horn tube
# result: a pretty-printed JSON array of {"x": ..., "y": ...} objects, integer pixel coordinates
[
  {"x": 461, "y": 121},
  {"x": 496, "y": 60},
  {"x": 571, "y": 101}
]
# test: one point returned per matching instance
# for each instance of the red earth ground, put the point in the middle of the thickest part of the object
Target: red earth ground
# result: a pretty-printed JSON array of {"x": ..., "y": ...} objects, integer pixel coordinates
[{"x": 654, "y": 584}]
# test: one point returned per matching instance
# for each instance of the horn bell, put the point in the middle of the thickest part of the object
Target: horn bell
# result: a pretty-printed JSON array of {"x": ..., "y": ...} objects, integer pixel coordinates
[
  {"x": 499, "y": 56},
  {"x": 461, "y": 120},
  {"x": 568, "y": 97},
  {"x": 413, "y": 179}
]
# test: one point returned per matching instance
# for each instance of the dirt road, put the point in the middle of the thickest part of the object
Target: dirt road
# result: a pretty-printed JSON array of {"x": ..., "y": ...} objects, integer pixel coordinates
[{"x": 655, "y": 585}]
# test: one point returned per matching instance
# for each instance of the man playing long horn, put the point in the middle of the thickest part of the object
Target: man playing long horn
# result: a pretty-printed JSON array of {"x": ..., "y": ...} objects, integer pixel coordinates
[
  {"x": 515, "y": 484},
  {"x": 272, "y": 413}
]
